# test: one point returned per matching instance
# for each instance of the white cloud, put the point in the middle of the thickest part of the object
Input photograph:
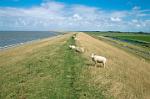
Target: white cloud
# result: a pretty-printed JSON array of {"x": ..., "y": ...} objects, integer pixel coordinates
[
  {"x": 136, "y": 8},
  {"x": 138, "y": 25},
  {"x": 59, "y": 16},
  {"x": 77, "y": 17},
  {"x": 116, "y": 19}
]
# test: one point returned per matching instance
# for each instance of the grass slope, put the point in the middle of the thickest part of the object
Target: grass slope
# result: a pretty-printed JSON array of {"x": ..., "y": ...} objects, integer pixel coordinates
[
  {"x": 135, "y": 43},
  {"x": 126, "y": 76},
  {"x": 46, "y": 70}
]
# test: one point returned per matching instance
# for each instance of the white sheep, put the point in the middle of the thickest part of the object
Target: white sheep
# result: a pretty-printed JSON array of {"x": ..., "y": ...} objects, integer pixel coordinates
[
  {"x": 75, "y": 38},
  {"x": 79, "y": 49},
  {"x": 98, "y": 59},
  {"x": 72, "y": 46}
]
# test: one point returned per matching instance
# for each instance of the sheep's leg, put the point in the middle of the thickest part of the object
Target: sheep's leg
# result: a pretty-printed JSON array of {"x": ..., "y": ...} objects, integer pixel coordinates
[
  {"x": 95, "y": 63},
  {"x": 104, "y": 64}
]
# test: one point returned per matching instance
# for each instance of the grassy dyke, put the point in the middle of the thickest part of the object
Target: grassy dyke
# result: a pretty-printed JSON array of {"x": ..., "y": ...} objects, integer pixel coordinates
[
  {"x": 135, "y": 43},
  {"x": 52, "y": 72},
  {"x": 126, "y": 76}
]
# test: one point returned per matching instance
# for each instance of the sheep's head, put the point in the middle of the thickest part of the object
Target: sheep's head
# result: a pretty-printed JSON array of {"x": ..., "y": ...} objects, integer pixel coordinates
[
  {"x": 92, "y": 55},
  {"x": 70, "y": 46}
]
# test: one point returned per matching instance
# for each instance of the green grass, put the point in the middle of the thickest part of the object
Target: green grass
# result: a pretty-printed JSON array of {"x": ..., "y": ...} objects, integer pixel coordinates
[
  {"x": 118, "y": 33},
  {"x": 136, "y": 38},
  {"x": 136, "y": 43},
  {"x": 125, "y": 36},
  {"x": 50, "y": 72}
]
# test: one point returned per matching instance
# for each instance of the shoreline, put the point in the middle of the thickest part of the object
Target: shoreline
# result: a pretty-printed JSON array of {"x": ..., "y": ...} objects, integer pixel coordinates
[
  {"x": 7, "y": 47},
  {"x": 18, "y": 44}
]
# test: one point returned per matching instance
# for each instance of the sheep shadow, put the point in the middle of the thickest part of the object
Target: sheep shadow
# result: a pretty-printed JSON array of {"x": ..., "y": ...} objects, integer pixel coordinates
[{"x": 90, "y": 64}]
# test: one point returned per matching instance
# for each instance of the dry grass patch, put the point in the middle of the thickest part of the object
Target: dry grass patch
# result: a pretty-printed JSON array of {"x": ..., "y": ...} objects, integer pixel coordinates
[
  {"x": 18, "y": 53},
  {"x": 126, "y": 76}
]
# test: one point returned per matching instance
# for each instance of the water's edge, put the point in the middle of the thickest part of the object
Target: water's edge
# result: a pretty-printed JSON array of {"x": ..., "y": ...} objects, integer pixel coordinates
[{"x": 28, "y": 42}]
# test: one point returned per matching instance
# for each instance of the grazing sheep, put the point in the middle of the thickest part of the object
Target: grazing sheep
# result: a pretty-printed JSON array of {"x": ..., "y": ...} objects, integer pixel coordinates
[
  {"x": 72, "y": 46},
  {"x": 98, "y": 59},
  {"x": 75, "y": 38},
  {"x": 79, "y": 49}
]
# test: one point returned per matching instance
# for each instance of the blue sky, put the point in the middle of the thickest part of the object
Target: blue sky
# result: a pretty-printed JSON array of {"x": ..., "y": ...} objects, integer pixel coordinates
[
  {"x": 66, "y": 15},
  {"x": 105, "y": 4}
]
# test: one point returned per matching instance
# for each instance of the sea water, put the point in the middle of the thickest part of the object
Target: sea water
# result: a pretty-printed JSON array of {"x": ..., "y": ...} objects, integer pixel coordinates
[{"x": 12, "y": 38}]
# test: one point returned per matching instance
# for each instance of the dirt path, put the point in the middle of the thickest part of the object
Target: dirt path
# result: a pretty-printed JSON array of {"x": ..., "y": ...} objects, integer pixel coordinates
[{"x": 126, "y": 76}]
